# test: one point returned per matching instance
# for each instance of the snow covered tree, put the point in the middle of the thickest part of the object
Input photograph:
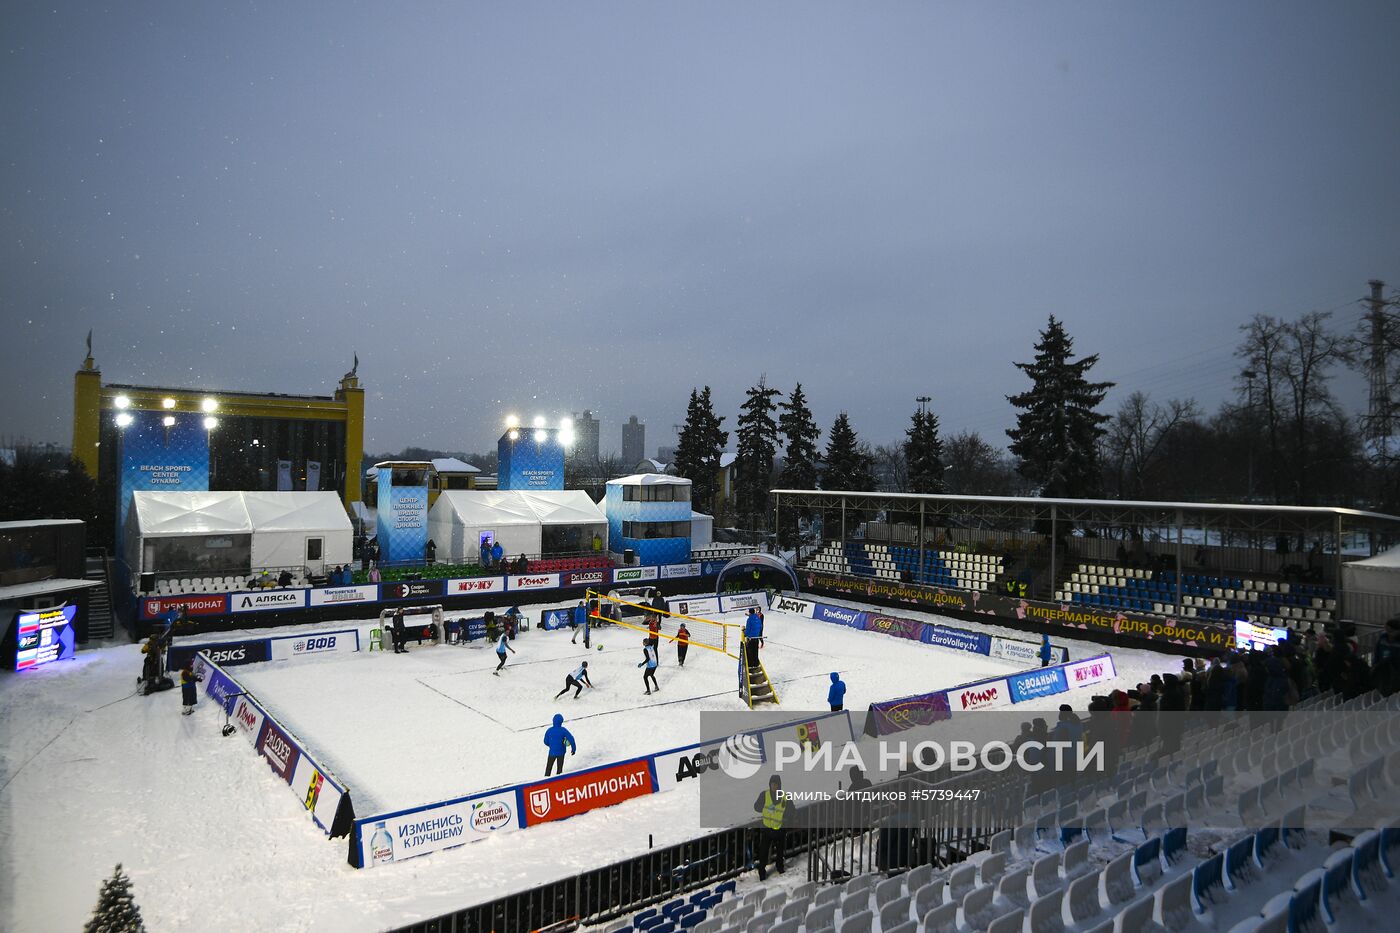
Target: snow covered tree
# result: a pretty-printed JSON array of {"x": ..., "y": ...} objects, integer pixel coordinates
[
  {"x": 849, "y": 463},
  {"x": 698, "y": 449},
  {"x": 116, "y": 911},
  {"x": 800, "y": 467},
  {"x": 757, "y": 438},
  {"x": 923, "y": 452},
  {"x": 1057, "y": 432}
]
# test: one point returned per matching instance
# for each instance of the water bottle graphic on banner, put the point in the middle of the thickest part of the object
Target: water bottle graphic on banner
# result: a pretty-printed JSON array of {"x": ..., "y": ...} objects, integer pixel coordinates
[{"x": 381, "y": 846}]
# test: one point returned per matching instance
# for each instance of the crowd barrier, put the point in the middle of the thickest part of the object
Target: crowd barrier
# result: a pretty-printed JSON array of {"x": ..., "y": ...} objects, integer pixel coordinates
[
  {"x": 1014, "y": 650},
  {"x": 232, "y": 604},
  {"x": 271, "y": 648},
  {"x": 925, "y": 709},
  {"x": 325, "y": 798}
]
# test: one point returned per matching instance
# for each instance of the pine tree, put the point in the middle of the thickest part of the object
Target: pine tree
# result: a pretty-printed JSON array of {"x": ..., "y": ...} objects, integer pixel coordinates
[
  {"x": 757, "y": 446},
  {"x": 848, "y": 463},
  {"x": 698, "y": 449},
  {"x": 1057, "y": 431},
  {"x": 923, "y": 451},
  {"x": 116, "y": 911},
  {"x": 800, "y": 467}
]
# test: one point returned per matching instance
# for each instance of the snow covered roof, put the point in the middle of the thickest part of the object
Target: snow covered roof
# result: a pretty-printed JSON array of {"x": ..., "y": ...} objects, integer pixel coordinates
[
  {"x": 649, "y": 479},
  {"x": 1382, "y": 561},
  {"x": 453, "y": 465},
  {"x": 171, "y": 514},
  {"x": 648, "y": 465},
  {"x": 694, "y": 515},
  {"x": 492, "y": 507}
]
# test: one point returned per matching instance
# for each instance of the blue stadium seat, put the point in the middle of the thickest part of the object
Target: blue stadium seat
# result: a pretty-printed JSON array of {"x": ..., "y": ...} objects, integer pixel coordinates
[{"x": 1207, "y": 884}]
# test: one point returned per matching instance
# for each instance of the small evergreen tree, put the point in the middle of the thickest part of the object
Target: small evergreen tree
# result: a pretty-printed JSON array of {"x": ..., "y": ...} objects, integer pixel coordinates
[
  {"x": 698, "y": 449},
  {"x": 116, "y": 911},
  {"x": 757, "y": 447},
  {"x": 848, "y": 463},
  {"x": 923, "y": 451},
  {"x": 800, "y": 467},
  {"x": 1057, "y": 431}
]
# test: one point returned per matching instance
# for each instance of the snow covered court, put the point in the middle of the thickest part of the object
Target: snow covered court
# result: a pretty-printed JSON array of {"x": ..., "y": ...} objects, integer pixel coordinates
[{"x": 94, "y": 775}]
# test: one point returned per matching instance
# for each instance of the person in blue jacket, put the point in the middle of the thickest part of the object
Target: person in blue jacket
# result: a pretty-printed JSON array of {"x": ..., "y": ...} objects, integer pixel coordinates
[
  {"x": 649, "y": 662},
  {"x": 753, "y": 636},
  {"x": 579, "y": 620},
  {"x": 836, "y": 696},
  {"x": 1046, "y": 652},
  {"x": 502, "y": 645},
  {"x": 485, "y": 555},
  {"x": 497, "y": 552},
  {"x": 556, "y": 738}
]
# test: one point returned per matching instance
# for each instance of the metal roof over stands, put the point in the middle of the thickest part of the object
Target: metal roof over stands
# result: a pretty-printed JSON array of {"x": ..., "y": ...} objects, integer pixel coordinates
[
  {"x": 649, "y": 479},
  {"x": 44, "y": 587}
]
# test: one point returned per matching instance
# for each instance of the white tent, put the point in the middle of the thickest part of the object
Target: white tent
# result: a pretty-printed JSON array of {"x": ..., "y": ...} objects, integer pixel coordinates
[
  {"x": 702, "y": 530},
  {"x": 522, "y": 522},
  {"x": 236, "y": 531},
  {"x": 1372, "y": 586}
]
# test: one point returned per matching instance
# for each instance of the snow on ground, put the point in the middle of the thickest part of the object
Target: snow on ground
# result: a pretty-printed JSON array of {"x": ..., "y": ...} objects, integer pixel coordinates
[{"x": 92, "y": 775}]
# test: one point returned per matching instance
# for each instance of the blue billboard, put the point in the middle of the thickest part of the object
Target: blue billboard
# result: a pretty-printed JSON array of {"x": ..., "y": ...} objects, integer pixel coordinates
[
  {"x": 1033, "y": 684},
  {"x": 527, "y": 463},
  {"x": 403, "y": 520},
  {"x": 156, "y": 457}
]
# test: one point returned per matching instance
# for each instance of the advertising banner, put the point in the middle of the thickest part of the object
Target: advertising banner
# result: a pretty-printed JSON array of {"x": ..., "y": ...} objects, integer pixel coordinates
[
  {"x": 906, "y": 713},
  {"x": 313, "y": 475},
  {"x": 279, "y": 750},
  {"x": 533, "y": 581},
  {"x": 318, "y": 792},
  {"x": 556, "y": 619},
  {"x": 684, "y": 766},
  {"x": 709, "y": 568},
  {"x": 156, "y": 458},
  {"x": 284, "y": 475},
  {"x": 209, "y": 605},
  {"x": 44, "y": 635},
  {"x": 527, "y": 463},
  {"x": 633, "y": 574},
  {"x": 693, "y": 605},
  {"x": 1193, "y": 633},
  {"x": 598, "y": 577},
  {"x": 728, "y": 603},
  {"x": 889, "y": 625},
  {"x": 572, "y": 794},
  {"x": 264, "y": 600},
  {"x": 396, "y": 837},
  {"x": 410, "y": 589},
  {"x": 248, "y": 717},
  {"x": 403, "y": 520},
  {"x": 985, "y": 695},
  {"x": 676, "y": 571},
  {"x": 839, "y": 615},
  {"x": 336, "y": 595},
  {"x": 218, "y": 686},
  {"x": 474, "y": 585},
  {"x": 797, "y": 607},
  {"x": 1032, "y": 684},
  {"x": 956, "y": 638},
  {"x": 287, "y": 647},
  {"x": 1090, "y": 671},
  {"x": 224, "y": 653},
  {"x": 476, "y": 628},
  {"x": 1026, "y": 653}
]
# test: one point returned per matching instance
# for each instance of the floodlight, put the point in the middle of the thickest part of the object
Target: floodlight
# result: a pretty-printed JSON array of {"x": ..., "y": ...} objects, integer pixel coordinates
[
  {"x": 566, "y": 424},
  {"x": 512, "y": 421},
  {"x": 539, "y": 421},
  {"x": 123, "y": 420},
  {"x": 566, "y": 437},
  {"x": 209, "y": 405},
  {"x": 541, "y": 437},
  {"x": 167, "y": 403},
  {"x": 514, "y": 435},
  {"x": 211, "y": 423},
  {"x": 121, "y": 401},
  {"x": 168, "y": 421}
]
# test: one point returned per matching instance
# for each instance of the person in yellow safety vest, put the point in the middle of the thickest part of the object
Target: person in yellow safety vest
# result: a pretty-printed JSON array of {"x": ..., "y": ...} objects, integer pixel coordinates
[{"x": 772, "y": 806}]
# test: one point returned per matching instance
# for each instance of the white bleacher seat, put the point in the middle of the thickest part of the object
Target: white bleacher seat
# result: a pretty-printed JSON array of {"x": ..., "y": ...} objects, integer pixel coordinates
[
  {"x": 1075, "y": 860},
  {"x": 785, "y": 926},
  {"x": 977, "y": 910},
  {"x": 1007, "y": 923},
  {"x": 1045, "y": 876},
  {"x": 1171, "y": 904},
  {"x": 991, "y": 868},
  {"x": 762, "y": 923},
  {"x": 961, "y": 880},
  {"x": 772, "y": 902},
  {"x": 1044, "y": 914},
  {"x": 925, "y": 898},
  {"x": 827, "y": 896},
  {"x": 895, "y": 912},
  {"x": 1116, "y": 881},
  {"x": 1081, "y": 902},
  {"x": 908, "y": 926},
  {"x": 941, "y": 919},
  {"x": 821, "y": 918},
  {"x": 1011, "y": 889},
  {"x": 887, "y": 891},
  {"x": 1135, "y": 918},
  {"x": 855, "y": 903},
  {"x": 916, "y": 878},
  {"x": 1023, "y": 841},
  {"x": 858, "y": 923},
  {"x": 795, "y": 909}
]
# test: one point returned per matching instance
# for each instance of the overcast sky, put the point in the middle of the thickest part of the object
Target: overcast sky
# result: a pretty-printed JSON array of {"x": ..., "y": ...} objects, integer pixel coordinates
[{"x": 541, "y": 208}]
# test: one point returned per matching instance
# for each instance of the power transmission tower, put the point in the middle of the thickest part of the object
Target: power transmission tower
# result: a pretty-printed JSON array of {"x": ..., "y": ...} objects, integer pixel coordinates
[{"x": 923, "y": 401}]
